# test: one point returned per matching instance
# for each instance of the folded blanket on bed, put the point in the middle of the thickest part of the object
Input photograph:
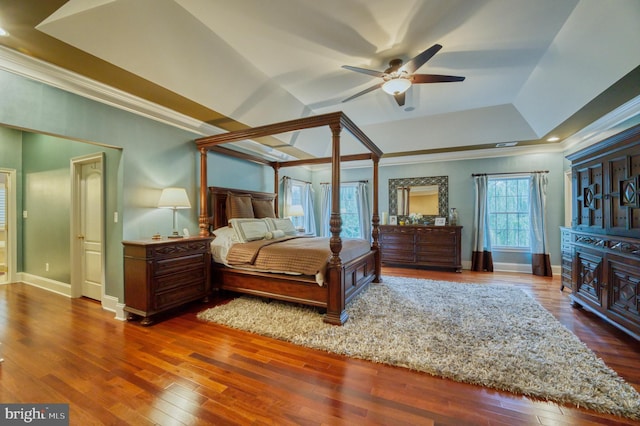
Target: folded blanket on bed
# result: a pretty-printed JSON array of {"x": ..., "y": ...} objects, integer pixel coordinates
[{"x": 303, "y": 255}]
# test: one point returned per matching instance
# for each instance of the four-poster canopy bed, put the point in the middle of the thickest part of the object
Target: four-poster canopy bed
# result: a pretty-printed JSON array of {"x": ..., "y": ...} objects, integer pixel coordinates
[{"x": 344, "y": 277}]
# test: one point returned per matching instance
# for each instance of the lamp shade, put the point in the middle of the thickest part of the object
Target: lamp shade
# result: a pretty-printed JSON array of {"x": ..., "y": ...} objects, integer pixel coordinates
[
  {"x": 295, "y": 210},
  {"x": 174, "y": 198},
  {"x": 396, "y": 86}
]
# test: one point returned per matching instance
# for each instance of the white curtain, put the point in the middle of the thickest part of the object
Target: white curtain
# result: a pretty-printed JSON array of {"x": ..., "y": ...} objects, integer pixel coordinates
[
  {"x": 364, "y": 212},
  {"x": 309, "y": 209},
  {"x": 325, "y": 209},
  {"x": 540, "y": 260},
  {"x": 481, "y": 257}
]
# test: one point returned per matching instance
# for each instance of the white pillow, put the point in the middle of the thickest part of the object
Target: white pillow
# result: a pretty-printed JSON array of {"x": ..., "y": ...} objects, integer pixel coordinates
[
  {"x": 282, "y": 224},
  {"x": 225, "y": 237},
  {"x": 278, "y": 233},
  {"x": 225, "y": 234},
  {"x": 249, "y": 229}
]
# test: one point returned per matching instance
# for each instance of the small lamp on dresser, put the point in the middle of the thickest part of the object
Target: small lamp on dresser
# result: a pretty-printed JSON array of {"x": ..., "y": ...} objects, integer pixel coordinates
[{"x": 174, "y": 198}]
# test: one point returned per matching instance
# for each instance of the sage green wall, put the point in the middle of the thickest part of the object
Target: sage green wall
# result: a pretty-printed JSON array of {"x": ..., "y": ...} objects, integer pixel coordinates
[
  {"x": 47, "y": 183},
  {"x": 461, "y": 191},
  {"x": 147, "y": 156}
]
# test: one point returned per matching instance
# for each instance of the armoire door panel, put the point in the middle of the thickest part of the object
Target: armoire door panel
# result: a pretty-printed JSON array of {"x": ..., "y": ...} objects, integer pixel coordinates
[
  {"x": 623, "y": 291},
  {"x": 589, "y": 195},
  {"x": 589, "y": 277}
]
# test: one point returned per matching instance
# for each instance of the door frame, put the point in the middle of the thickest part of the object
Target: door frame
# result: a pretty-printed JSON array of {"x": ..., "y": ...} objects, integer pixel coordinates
[
  {"x": 76, "y": 244},
  {"x": 11, "y": 247}
]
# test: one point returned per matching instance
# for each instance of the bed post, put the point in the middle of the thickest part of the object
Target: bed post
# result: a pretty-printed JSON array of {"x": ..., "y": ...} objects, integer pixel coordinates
[
  {"x": 336, "y": 313},
  {"x": 276, "y": 188},
  {"x": 375, "y": 221},
  {"x": 203, "y": 220}
]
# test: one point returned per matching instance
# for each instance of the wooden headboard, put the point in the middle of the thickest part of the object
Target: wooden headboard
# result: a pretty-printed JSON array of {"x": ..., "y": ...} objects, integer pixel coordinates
[{"x": 218, "y": 203}]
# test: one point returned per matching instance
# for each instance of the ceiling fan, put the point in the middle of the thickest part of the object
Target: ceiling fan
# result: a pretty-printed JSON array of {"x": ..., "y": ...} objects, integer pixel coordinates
[{"x": 397, "y": 79}]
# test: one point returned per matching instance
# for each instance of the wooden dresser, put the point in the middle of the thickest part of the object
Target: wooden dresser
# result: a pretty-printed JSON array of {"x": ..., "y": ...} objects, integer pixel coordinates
[
  {"x": 422, "y": 246},
  {"x": 163, "y": 274},
  {"x": 604, "y": 240}
]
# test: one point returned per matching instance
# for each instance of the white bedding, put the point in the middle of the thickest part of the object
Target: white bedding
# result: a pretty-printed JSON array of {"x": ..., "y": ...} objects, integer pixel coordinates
[{"x": 225, "y": 237}]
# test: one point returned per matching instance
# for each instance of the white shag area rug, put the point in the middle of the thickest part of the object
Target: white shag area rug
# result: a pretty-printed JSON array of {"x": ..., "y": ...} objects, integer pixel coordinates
[{"x": 490, "y": 335}]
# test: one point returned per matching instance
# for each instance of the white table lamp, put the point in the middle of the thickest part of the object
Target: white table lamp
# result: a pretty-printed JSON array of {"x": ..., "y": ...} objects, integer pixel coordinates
[{"x": 174, "y": 198}]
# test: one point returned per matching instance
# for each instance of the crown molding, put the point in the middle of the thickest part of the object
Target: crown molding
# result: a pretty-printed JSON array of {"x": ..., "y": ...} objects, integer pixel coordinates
[
  {"x": 604, "y": 127},
  {"x": 52, "y": 75}
]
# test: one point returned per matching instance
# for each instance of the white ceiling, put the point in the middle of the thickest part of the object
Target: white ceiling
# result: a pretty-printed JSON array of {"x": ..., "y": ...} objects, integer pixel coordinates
[{"x": 529, "y": 65}]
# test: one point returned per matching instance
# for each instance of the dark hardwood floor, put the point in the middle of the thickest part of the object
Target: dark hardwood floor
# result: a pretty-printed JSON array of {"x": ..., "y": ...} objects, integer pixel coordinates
[{"x": 184, "y": 371}]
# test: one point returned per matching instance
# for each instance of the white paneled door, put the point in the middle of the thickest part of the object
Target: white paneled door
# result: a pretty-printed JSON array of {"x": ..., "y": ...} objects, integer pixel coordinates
[{"x": 90, "y": 229}]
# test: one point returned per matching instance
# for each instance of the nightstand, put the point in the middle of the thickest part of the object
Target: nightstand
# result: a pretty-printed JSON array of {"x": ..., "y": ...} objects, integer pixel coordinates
[{"x": 164, "y": 274}]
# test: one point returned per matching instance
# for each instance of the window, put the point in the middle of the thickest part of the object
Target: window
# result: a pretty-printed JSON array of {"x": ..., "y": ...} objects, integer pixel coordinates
[
  {"x": 355, "y": 213},
  {"x": 508, "y": 206},
  {"x": 349, "y": 212}
]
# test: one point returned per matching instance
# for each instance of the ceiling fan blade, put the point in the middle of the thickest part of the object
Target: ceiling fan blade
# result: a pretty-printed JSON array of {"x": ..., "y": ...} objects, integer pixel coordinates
[
  {"x": 400, "y": 98},
  {"x": 434, "y": 78},
  {"x": 364, "y": 71},
  {"x": 413, "y": 64},
  {"x": 370, "y": 89}
]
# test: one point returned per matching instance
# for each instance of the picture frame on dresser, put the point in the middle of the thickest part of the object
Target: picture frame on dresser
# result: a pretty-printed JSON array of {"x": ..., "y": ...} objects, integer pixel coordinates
[{"x": 393, "y": 220}]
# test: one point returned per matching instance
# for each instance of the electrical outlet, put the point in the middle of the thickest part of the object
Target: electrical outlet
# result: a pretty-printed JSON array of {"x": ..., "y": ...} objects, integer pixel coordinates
[
  {"x": 24, "y": 214},
  {"x": 115, "y": 217},
  {"x": 46, "y": 267}
]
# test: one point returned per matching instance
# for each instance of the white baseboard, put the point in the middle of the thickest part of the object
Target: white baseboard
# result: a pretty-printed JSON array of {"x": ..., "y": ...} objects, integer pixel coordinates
[
  {"x": 109, "y": 303},
  {"x": 54, "y": 286}
]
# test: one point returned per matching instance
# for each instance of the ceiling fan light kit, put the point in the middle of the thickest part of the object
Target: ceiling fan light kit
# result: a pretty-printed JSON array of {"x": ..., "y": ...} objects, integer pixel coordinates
[
  {"x": 398, "y": 78},
  {"x": 396, "y": 85}
]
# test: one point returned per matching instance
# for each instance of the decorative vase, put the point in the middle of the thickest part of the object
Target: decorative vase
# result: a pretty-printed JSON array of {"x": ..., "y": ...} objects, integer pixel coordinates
[{"x": 453, "y": 217}]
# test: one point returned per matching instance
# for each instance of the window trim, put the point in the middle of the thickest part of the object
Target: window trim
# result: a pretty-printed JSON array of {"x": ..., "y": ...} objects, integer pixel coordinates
[{"x": 511, "y": 249}]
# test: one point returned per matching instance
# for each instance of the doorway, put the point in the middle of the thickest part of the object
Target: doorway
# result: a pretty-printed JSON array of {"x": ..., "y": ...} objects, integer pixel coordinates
[
  {"x": 7, "y": 225},
  {"x": 87, "y": 227}
]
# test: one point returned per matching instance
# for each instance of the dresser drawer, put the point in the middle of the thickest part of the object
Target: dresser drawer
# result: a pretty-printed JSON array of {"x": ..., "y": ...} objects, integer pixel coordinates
[
  {"x": 398, "y": 256},
  {"x": 180, "y": 247},
  {"x": 435, "y": 261},
  {"x": 168, "y": 281},
  {"x": 179, "y": 295},
  {"x": 179, "y": 264},
  {"x": 428, "y": 252},
  {"x": 397, "y": 238}
]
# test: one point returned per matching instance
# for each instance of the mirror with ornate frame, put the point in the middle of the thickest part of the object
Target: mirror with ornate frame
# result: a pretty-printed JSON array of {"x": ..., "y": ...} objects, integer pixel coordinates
[{"x": 428, "y": 196}]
